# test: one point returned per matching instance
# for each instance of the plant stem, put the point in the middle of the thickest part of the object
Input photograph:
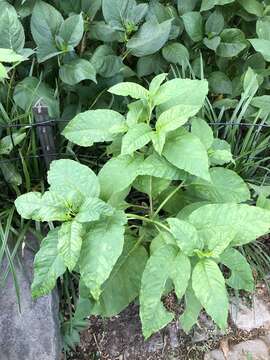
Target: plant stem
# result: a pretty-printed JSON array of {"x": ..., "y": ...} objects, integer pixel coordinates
[
  {"x": 142, "y": 218},
  {"x": 138, "y": 206},
  {"x": 150, "y": 196},
  {"x": 150, "y": 112},
  {"x": 164, "y": 202}
]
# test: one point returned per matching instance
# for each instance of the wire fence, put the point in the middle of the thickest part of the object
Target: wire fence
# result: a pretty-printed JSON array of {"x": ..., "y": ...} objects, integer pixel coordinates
[
  {"x": 53, "y": 122},
  {"x": 50, "y": 123},
  {"x": 33, "y": 125}
]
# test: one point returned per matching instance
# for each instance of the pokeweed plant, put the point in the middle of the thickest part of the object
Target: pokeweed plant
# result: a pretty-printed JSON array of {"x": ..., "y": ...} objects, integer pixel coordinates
[{"x": 162, "y": 214}]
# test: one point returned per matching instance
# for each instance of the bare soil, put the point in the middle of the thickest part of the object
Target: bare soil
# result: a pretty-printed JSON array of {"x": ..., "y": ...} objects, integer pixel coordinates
[{"x": 120, "y": 338}]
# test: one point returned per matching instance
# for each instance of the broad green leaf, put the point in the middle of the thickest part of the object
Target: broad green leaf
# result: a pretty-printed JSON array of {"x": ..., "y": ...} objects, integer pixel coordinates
[
  {"x": 209, "y": 286},
  {"x": 158, "y": 139},
  {"x": 67, "y": 176},
  {"x": 104, "y": 32},
  {"x": 186, "y": 5},
  {"x": 138, "y": 112},
  {"x": 174, "y": 197},
  {"x": 156, "y": 83},
  {"x": 10, "y": 56},
  {"x": 241, "y": 277},
  {"x": 90, "y": 7},
  {"x": 158, "y": 166},
  {"x": 262, "y": 46},
  {"x": 214, "y": 23},
  {"x": 150, "y": 38},
  {"x": 11, "y": 29},
  {"x": 209, "y": 4},
  {"x": 71, "y": 30},
  {"x": 48, "y": 265},
  {"x": 104, "y": 238},
  {"x": 161, "y": 12},
  {"x": 225, "y": 103},
  {"x": 220, "y": 152},
  {"x": 114, "y": 14},
  {"x": 226, "y": 186},
  {"x": 163, "y": 238},
  {"x": 45, "y": 25},
  {"x": 121, "y": 172},
  {"x": 151, "y": 64},
  {"x": 158, "y": 269},
  {"x": 78, "y": 320},
  {"x": 261, "y": 189},
  {"x": 232, "y": 43},
  {"x": 30, "y": 90},
  {"x": 8, "y": 142},
  {"x": 246, "y": 223},
  {"x": 219, "y": 83},
  {"x": 185, "y": 234},
  {"x": 118, "y": 14},
  {"x": 176, "y": 53},
  {"x": 175, "y": 117},
  {"x": 94, "y": 126},
  {"x": 45, "y": 22},
  {"x": 117, "y": 200},
  {"x": 53, "y": 207},
  {"x": 134, "y": 90},
  {"x": 136, "y": 13},
  {"x": 11, "y": 173},
  {"x": 137, "y": 136},
  {"x": 124, "y": 282},
  {"x": 188, "y": 209},
  {"x": 106, "y": 62},
  {"x": 263, "y": 202},
  {"x": 185, "y": 151},
  {"x": 192, "y": 310},
  {"x": 151, "y": 185},
  {"x": 262, "y": 102},
  {"x": 77, "y": 70},
  {"x": 202, "y": 130},
  {"x": 181, "y": 92},
  {"x": 252, "y": 6},
  {"x": 263, "y": 28},
  {"x": 70, "y": 242},
  {"x": 28, "y": 205},
  {"x": 3, "y": 72},
  {"x": 194, "y": 25},
  {"x": 180, "y": 274},
  {"x": 91, "y": 210},
  {"x": 47, "y": 207},
  {"x": 212, "y": 43}
]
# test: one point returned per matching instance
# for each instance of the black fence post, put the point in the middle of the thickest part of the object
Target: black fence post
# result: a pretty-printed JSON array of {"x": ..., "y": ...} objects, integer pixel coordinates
[{"x": 45, "y": 132}]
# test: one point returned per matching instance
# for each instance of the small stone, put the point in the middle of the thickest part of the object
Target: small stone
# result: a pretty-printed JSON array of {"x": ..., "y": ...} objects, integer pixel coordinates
[
  {"x": 173, "y": 331},
  {"x": 34, "y": 333},
  {"x": 199, "y": 336},
  {"x": 246, "y": 318},
  {"x": 215, "y": 355},
  {"x": 155, "y": 343},
  {"x": 257, "y": 349},
  {"x": 206, "y": 330}
]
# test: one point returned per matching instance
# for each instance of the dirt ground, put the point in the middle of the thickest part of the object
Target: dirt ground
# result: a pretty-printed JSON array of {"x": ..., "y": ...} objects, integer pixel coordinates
[{"x": 120, "y": 338}]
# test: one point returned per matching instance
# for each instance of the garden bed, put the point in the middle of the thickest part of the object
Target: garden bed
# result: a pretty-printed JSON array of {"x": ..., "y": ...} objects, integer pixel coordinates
[{"x": 120, "y": 338}]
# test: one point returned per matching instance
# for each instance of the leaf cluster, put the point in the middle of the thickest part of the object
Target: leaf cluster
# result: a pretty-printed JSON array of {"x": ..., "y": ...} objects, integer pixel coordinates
[{"x": 192, "y": 216}]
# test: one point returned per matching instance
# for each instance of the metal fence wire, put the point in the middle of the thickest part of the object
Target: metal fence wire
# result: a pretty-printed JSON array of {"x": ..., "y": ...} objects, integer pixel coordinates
[{"x": 44, "y": 127}]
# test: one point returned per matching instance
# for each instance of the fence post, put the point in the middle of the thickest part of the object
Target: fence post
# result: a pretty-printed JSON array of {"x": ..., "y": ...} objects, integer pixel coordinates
[{"x": 45, "y": 132}]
